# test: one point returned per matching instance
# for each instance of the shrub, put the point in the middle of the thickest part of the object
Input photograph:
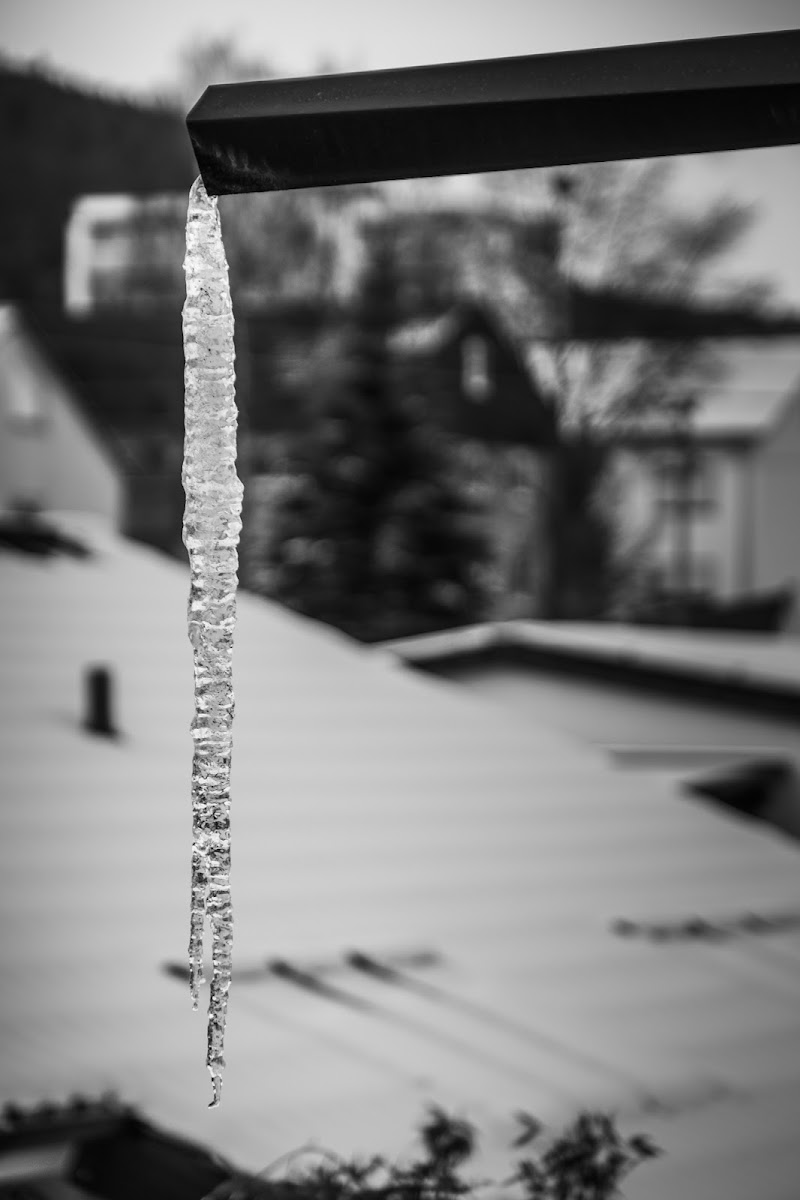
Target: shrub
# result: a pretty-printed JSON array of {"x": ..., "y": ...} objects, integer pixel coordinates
[{"x": 587, "y": 1161}]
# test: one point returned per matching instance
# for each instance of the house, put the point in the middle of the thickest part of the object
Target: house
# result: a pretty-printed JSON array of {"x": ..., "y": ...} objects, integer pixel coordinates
[
  {"x": 51, "y": 456},
  {"x": 738, "y": 451},
  {"x": 473, "y": 377},
  {"x": 124, "y": 251},
  {"x": 510, "y": 873},
  {"x": 124, "y": 373}
]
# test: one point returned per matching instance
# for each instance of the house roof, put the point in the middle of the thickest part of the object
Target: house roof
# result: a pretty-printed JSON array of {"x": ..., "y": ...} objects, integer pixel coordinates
[
  {"x": 743, "y": 674},
  {"x": 753, "y": 386},
  {"x": 426, "y": 334},
  {"x": 126, "y": 368},
  {"x": 753, "y": 382},
  {"x": 26, "y": 381},
  {"x": 380, "y": 811},
  {"x": 759, "y": 382},
  {"x": 423, "y": 336},
  {"x": 517, "y": 410}
]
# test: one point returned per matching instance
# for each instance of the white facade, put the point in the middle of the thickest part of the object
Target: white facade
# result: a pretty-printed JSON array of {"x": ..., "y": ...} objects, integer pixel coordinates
[
  {"x": 127, "y": 251},
  {"x": 744, "y": 533},
  {"x": 50, "y": 458},
  {"x": 124, "y": 250},
  {"x": 721, "y": 558},
  {"x": 772, "y": 501}
]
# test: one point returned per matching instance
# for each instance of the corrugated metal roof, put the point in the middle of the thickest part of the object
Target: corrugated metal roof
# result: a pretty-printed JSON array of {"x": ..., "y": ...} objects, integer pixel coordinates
[{"x": 375, "y": 810}]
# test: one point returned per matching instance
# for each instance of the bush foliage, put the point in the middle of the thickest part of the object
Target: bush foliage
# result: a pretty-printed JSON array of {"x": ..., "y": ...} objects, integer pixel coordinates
[{"x": 587, "y": 1161}]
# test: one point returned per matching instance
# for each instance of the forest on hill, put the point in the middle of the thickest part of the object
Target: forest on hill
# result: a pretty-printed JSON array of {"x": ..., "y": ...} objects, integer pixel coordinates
[{"x": 59, "y": 142}]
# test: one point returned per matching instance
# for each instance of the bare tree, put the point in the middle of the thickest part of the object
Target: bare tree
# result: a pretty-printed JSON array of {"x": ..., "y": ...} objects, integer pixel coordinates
[
  {"x": 618, "y": 227},
  {"x": 295, "y": 245}
]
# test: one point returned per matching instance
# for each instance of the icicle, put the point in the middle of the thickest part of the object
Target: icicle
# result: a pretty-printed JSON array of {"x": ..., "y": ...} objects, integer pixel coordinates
[{"x": 211, "y": 527}]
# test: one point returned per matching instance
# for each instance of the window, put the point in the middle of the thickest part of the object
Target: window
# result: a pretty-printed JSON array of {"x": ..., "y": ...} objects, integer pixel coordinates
[
  {"x": 475, "y": 379},
  {"x": 686, "y": 480}
]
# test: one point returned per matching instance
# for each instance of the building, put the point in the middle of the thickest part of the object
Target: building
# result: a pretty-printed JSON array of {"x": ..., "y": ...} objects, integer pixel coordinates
[
  {"x": 472, "y": 375},
  {"x": 124, "y": 374},
  {"x": 719, "y": 487},
  {"x": 124, "y": 251},
  {"x": 51, "y": 455}
]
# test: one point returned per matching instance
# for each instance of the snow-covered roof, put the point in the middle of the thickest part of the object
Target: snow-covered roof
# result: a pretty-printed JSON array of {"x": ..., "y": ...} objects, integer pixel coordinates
[
  {"x": 386, "y": 812},
  {"x": 769, "y": 663},
  {"x": 758, "y": 383},
  {"x": 755, "y": 383},
  {"x": 426, "y": 335}
]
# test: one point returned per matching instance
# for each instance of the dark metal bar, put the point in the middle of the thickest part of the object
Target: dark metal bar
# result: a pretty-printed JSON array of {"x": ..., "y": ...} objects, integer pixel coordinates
[{"x": 625, "y": 102}]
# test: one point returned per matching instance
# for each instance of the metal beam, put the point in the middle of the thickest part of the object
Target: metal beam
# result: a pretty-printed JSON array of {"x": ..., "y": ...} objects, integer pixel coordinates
[{"x": 625, "y": 102}]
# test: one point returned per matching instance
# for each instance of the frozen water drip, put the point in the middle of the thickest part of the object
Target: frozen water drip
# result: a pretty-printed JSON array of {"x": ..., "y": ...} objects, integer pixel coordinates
[{"x": 211, "y": 527}]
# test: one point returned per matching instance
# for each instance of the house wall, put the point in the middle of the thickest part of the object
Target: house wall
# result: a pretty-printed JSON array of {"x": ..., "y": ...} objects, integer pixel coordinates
[
  {"x": 475, "y": 386},
  {"x": 49, "y": 455},
  {"x": 509, "y": 484},
  {"x": 124, "y": 251},
  {"x": 717, "y": 522},
  {"x": 776, "y": 505},
  {"x": 650, "y": 521}
]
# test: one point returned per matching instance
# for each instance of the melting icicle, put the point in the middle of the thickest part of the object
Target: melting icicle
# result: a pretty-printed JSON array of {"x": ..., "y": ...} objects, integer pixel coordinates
[{"x": 211, "y": 527}]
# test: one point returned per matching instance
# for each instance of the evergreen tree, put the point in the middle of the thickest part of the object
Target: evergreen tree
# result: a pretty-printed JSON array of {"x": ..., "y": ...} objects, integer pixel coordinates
[
  {"x": 374, "y": 535},
  {"x": 584, "y": 574}
]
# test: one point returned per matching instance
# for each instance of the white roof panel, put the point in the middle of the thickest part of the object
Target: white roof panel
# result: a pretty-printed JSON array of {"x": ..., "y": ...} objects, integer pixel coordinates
[
  {"x": 753, "y": 385},
  {"x": 378, "y": 810}
]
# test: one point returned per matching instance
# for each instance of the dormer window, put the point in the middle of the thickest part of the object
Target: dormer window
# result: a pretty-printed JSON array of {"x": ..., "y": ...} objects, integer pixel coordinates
[{"x": 476, "y": 381}]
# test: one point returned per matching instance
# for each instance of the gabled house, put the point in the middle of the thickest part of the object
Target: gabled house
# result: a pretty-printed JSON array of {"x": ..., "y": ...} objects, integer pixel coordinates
[
  {"x": 51, "y": 455},
  {"x": 719, "y": 494},
  {"x": 473, "y": 376},
  {"x": 125, "y": 375}
]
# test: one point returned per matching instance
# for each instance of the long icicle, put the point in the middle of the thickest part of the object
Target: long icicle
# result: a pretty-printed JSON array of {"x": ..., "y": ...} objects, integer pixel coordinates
[{"x": 211, "y": 528}]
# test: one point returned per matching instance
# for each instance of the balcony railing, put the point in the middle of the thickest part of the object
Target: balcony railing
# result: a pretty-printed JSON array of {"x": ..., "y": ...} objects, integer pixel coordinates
[{"x": 623, "y": 102}]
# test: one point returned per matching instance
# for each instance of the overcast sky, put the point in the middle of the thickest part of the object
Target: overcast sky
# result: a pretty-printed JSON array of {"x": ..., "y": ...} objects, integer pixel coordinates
[
  {"x": 134, "y": 44},
  {"x": 133, "y": 47}
]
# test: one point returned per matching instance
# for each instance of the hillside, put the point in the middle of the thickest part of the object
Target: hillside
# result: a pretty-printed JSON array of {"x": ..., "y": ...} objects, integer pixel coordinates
[{"x": 61, "y": 142}]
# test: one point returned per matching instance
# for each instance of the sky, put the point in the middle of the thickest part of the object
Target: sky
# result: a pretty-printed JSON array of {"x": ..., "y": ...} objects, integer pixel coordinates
[{"x": 134, "y": 48}]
